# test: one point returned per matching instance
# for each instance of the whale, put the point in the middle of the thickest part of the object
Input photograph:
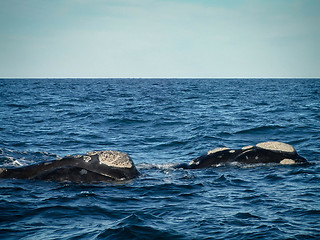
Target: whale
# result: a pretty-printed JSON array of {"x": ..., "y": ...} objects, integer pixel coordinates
[
  {"x": 262, "y": 153},
  {"x": 94, "y": 166},
  {"x": 106, "y": 166}
]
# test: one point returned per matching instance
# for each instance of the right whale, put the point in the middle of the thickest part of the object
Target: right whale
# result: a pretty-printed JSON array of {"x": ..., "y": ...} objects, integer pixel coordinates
[
  {"x": 265, "y": 152},
  {"x": 94, "y": 166}
]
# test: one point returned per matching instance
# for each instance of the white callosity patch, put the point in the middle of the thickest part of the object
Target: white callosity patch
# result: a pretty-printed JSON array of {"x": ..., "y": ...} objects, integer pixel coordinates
[
  {"x": 113, "y": 158},
  {"x": 86, "y": 158},
  {"x": 83, "y": 172},
  {"x": 247, "y": 147},
  {"x": 277, "y": 147},
  {"x": 194, "y": 162},
  {"x": 217, "y": 150},
  {"x": 93, "y": 153},
  {"x": 287, "y": 161},
  {"x": 232, "y": 151}
]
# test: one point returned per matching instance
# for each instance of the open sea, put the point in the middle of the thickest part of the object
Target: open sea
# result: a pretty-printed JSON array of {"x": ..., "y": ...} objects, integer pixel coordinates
[{"x": 161, "y": 122}]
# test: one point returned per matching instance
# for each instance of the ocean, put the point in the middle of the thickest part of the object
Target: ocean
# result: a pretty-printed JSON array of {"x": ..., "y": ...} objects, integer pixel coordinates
[{"x": 161, "y": 122}]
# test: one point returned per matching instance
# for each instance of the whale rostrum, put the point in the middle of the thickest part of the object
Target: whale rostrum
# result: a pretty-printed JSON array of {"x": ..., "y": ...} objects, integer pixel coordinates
[{"x": 106, "y": 166}]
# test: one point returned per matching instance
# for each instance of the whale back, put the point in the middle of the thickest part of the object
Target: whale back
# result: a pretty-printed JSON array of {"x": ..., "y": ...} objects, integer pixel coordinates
[
  {"x": 90, "y": 167},
  {"x": 264, "y": 152}
]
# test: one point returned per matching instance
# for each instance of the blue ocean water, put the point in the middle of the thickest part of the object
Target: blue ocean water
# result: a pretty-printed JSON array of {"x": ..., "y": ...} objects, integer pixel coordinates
[{"x": 159, "y": 122}]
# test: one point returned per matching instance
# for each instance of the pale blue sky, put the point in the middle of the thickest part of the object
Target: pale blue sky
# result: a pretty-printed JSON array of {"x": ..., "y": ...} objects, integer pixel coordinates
[{"x": 160, "y": 38}]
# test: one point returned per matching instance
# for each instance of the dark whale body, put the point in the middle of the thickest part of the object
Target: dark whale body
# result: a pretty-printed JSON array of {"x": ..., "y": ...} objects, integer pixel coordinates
[
  {"x": 267, "y": 152},
  {"x": 98, "y": 166},
  {"x": 105, "y": 166}
]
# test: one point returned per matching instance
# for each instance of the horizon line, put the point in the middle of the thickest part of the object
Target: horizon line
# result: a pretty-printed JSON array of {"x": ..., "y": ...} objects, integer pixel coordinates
[{"x": 195, "y": 78}]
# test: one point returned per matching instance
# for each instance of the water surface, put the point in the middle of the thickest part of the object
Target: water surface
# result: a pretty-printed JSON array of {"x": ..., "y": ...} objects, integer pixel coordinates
[{"x": 159, "y": 122}]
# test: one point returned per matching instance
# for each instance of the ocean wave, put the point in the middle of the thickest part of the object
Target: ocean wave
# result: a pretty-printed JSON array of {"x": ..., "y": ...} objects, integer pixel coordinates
[
  {"x": 165, "y": 166},
  {"x": 260, "y": 129},
  {"x": 13, "y": 158}
]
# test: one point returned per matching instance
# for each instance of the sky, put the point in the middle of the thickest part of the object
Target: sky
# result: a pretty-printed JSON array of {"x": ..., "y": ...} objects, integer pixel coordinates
[{"x": 159, "y": 38}]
